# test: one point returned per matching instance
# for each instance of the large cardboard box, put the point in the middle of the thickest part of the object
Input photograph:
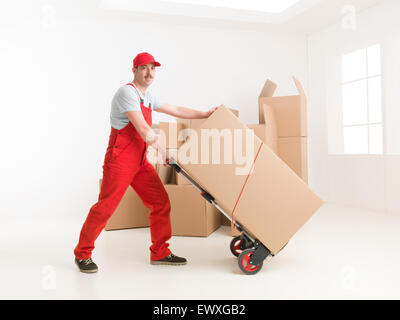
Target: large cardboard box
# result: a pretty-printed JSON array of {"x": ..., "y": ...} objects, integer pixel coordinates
[
  {"x": 220, "y": 175},
  {"x": 270, "y": 201},
  {"x": 193, "y": 124},
  {"x": 191, "y": 214},
  {"x": 290, "y": 111},
  {"x": 170, "y": 131},
  {"x": 169, "y": 134},
  {"x": 289, "y": 119},
  {"x": 293, "y": 151},
  {"x": 130, "y": 213}
]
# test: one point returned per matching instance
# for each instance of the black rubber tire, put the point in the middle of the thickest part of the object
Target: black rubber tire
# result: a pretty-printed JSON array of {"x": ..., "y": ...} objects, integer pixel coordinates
[
  {"x": 245, "y": 266},
  {"x": 236, "y": 241}
]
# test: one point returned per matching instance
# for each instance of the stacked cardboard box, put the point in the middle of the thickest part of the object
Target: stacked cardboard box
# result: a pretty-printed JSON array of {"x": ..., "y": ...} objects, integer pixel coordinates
[
  {"x": 191, "y": 214},
  {"x": 286, "y": 116},
  {"x": 267, "y": 198}
]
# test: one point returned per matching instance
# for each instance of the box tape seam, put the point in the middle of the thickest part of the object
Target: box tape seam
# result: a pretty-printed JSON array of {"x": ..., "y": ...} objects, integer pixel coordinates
[{"x": 245, "y": 182}]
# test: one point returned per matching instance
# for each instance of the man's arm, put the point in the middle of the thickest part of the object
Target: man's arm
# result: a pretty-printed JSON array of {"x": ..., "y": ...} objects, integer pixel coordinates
[
  {"x": 146, "y": 132},
  {"x": 184, "y": 113}
]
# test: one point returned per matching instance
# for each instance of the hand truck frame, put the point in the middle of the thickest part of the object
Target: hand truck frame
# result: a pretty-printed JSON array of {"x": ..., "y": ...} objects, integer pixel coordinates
[{"x": 251, "y": 252}]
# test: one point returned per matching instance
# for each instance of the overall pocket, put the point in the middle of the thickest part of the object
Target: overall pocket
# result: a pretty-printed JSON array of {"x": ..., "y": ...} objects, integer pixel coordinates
[{"x": 121, "y": 142}]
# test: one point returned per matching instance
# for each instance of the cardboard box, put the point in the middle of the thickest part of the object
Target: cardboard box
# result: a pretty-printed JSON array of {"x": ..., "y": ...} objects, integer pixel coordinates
[
  {"x": 169, "y": 138},
  {"x": 191, "y": 214},
  {"x": 267, "y": 134},
  {"x": 290, "y": 111},
  {"x": 221, "y": 176},
  {"x": 165, "y": 172},
  {"x": 180, "y": 180},
  {"x": 193, "y": 124},
  {"x": 271, "y": 202},
  {"x": 171, "y": 130},
  {"x": 293, "y": 151},
  {"x": 266, "y": 93},
  {"x": 175, "y": 177},
  {"x": 130, "y": 213}
]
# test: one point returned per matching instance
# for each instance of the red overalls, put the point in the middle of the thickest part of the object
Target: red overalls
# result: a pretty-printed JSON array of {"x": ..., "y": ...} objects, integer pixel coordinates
[{"x": 125, "y": 164}]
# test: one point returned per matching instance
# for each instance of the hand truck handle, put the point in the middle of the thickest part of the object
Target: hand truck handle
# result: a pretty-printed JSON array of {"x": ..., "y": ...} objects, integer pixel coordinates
[{"x": 173, "y": 165}]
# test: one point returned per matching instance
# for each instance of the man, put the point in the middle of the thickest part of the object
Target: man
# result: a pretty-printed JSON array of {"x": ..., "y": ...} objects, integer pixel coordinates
[{"x": 125, "y": 164}]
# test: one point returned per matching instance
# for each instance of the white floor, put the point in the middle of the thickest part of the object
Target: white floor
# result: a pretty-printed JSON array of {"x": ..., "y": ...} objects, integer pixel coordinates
[{"x": 341, "y": 253}]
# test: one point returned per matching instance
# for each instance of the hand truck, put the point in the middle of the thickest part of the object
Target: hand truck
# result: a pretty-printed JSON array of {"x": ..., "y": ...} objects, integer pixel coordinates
[{"x": 251, "y": 252}]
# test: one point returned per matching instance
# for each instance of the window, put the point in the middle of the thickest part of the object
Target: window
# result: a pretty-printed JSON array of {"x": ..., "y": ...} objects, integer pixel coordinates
[{"x": 362, "y": 101}]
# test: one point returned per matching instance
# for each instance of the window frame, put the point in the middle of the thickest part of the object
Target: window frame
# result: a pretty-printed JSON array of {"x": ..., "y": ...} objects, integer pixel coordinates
[{"x": 368, "y": 124}]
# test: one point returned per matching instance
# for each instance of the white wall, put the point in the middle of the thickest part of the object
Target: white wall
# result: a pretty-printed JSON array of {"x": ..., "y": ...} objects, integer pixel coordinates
[
  {"x": 62, "y": 61},
  {"x": 370, "y": 182}
]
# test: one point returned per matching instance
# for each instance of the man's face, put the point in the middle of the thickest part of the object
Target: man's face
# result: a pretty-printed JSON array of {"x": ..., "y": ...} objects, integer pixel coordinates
[{"x": 145, "y": 74}]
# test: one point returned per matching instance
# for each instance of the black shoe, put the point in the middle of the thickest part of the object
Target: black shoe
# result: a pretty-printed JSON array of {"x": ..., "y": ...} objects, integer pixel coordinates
[
  {"x": 86, "y": 265},
  {"x": 172, "y": 260}
]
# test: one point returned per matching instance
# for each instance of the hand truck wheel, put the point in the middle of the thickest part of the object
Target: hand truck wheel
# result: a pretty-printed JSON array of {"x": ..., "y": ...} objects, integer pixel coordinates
[
  {"x": 236, "y": 246},
  {"x": 244, "y": 263},
  {"x": 240, "y": 243}
]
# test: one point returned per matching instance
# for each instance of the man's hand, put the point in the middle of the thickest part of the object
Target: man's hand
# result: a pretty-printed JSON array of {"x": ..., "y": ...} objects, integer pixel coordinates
[
  {"x": 210, "y": 112},
  {"x": 165, "y": 157}
]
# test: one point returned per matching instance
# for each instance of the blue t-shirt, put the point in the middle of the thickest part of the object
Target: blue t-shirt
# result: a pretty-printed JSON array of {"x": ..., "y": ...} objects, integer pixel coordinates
[{"x": 128, "y": 99}]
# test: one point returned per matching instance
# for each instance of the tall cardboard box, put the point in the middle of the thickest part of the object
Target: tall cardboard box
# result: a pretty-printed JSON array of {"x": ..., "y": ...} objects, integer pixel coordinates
[
  {"x": 290, "y": 120},
  {"x": 293, "y": 151},
  {"x": 271, "y": 202},
  {"x": 130, "y": 213},
  {"x": 290, "y": 111},
  {"x": 266, "y": 93},
  {"x": 191, "y": 214}
]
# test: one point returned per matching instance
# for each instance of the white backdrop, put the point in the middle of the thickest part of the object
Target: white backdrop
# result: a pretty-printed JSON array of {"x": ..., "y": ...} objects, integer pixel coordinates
[
  {"x": 62, "y": 61},
  {"x": 370, "y": 182}
]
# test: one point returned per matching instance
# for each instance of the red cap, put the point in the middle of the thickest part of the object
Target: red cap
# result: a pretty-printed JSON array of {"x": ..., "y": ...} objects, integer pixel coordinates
[{"x": 144, "y": 58}]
